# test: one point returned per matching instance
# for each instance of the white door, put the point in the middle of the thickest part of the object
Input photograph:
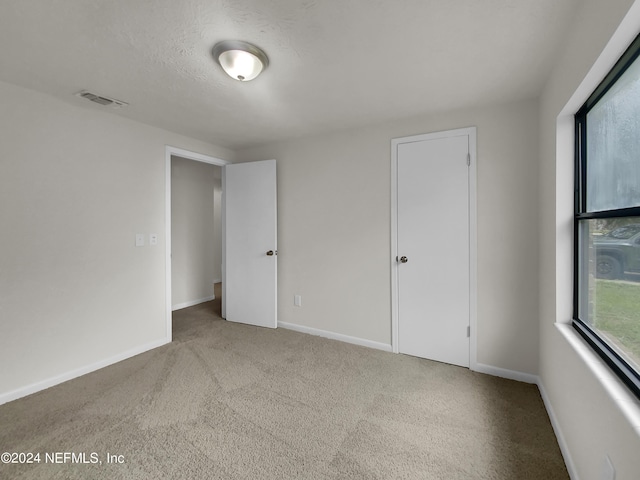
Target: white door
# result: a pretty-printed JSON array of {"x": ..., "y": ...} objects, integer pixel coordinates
[
  {"x": 433, "y": 248},
  {"x": 249, "y": 245}
]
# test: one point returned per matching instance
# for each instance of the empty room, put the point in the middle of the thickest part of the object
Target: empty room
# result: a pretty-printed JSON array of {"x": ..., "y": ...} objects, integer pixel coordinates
[{"x": 320, "y": 239}]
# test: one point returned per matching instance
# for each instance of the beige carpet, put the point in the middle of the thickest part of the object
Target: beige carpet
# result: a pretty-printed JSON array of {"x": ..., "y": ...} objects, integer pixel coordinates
[{"x": 229, "y": 401}]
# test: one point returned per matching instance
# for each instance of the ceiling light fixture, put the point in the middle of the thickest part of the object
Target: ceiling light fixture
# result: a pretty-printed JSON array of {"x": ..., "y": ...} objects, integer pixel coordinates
[{"x": 241, "y": 60}]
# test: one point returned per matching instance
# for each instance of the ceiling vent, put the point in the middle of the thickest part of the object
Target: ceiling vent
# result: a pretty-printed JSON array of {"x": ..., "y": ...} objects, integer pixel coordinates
[{"x": 101, "y": 100}]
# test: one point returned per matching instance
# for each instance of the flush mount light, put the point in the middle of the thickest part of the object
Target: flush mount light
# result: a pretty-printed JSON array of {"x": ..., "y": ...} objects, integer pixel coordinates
[{"x": 241, "y": 60}]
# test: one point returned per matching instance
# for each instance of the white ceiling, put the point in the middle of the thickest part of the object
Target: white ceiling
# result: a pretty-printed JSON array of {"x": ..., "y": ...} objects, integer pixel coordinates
[{"x": 335, "y": 64}]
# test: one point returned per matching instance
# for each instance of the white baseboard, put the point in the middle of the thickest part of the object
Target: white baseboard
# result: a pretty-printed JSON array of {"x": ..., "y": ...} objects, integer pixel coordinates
[
  {"x": 191, "y": 303},
  {"x": 336, "y": 336},
  {"x": 50, "y": 382},
  {"x": 478, "y": 367},
  {"x": 564, "y": 448},
  {"x": 534, "y": 379},
  {"x": 504, "y": 373}
]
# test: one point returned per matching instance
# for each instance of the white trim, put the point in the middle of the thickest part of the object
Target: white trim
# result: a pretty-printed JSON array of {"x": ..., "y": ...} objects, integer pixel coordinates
[
  {"x": 50, "y": 382},
  {"x": 504, "y": 373},
  {"x": 617, "y": 391},
  {"x": 191, "y": 303},
  {"x": 562, "y": 442},
  {"x": 223, "y": 221},
  {"x": 471, "y": 132},
  {"x": 473, "y": 248},
  {"x": 336, "y": 336},
  {"x": 198, "y": 157},
  {"x": 479, "y": 367},
  {"x": 622, "y": 38},
  {"x": 394, "y": 246}
]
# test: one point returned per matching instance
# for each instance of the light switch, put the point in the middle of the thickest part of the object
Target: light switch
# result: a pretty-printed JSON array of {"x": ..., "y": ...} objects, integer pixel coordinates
[
  {"x": 139, "y": 239},
  {"x": 153, "y": 239},
  {"x": 297, "y": 300}
]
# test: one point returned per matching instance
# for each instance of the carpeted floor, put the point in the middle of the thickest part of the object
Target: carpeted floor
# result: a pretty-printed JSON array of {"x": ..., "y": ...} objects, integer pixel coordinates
[{"x": 229, "y": 401}]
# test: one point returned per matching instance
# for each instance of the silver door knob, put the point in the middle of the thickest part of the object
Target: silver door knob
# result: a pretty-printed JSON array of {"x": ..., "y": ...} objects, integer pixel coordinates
[{"x": 404, "y": 259}]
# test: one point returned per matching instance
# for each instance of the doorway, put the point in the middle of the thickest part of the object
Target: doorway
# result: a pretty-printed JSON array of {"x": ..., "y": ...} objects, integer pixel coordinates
[
  {"x": 196, "y": 231},
  {"x": 434, "y": 246},
  {"x": 170, "y": 153}
]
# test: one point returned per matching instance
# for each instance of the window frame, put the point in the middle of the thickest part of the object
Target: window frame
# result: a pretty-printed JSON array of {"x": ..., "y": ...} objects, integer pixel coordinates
[{"x": 628, "y": 374}]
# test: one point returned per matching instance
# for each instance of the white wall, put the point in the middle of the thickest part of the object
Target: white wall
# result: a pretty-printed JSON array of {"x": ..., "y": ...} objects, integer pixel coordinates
[
  {"x": 76, "y": 185},
  {"x": 334, "y": 229},
  {"x": 196, "y": 242},
  {"x": 590, "y": 422}
]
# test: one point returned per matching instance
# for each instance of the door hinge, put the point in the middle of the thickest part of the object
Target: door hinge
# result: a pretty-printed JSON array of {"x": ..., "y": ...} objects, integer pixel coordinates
[
  {"x": 468, "y": 158},
  {"x": 468, "y": 331}
]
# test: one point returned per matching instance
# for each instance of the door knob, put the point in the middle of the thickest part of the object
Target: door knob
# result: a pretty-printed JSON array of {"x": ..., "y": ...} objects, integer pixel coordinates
[
  {"x": 270, "y": 253},
  {"x": 404, "y": 259}
]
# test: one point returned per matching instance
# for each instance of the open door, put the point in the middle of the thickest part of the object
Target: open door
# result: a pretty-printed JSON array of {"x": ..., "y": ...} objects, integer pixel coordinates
[{"x": 249, "y": 243}]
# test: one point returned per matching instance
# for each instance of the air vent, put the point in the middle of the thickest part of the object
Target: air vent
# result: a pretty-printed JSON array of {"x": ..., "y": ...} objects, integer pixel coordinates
[{"x": 102, "y": 100}]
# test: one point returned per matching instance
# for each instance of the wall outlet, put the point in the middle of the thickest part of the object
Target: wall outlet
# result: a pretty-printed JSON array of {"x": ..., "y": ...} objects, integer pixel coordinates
[
  {"x": 153, "y": 239},
  {"x": 607, "y": 472},
  {"x": 139, "y": 239},
  {"x": 297, "y": 300}
]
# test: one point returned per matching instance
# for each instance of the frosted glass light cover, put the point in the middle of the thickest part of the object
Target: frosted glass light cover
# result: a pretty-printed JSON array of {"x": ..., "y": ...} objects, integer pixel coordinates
[{"x": 240, "y": 65}]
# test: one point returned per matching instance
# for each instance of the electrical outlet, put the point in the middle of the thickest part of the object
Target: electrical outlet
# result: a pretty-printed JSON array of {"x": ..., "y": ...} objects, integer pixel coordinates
[
  {"x": 297, "y": 300},
  {"x": 153, "y": 239}
]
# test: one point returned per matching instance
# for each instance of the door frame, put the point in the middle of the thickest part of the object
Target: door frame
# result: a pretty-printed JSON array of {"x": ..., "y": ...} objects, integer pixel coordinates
[
  {"x": 473, "y": 234},
  {"x": 198, "y": 157}
]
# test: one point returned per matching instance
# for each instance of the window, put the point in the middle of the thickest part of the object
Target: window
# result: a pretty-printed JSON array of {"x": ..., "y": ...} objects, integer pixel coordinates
[{"x": 607, "y": 219}]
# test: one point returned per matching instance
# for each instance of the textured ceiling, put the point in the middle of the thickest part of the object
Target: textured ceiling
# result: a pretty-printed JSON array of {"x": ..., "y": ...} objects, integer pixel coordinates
[{"x": 334, "y": 63}]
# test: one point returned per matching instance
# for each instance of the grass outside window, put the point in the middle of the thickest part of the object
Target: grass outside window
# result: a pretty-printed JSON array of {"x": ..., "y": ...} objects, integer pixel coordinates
[{"x": 616, "y": 315}]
